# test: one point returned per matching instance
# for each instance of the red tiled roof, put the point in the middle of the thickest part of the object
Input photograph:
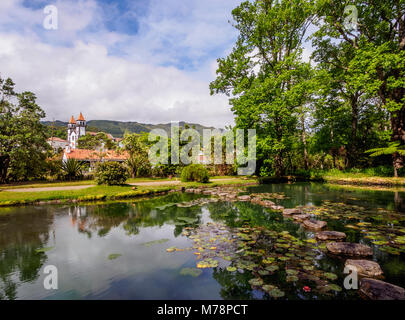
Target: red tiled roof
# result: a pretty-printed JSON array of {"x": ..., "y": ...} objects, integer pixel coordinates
[
  {"x": 57, "y": 139},
  {"x": 72, "y": 120},
  {"x": 109, "y": 155},
  {"x": 92, "y": 133},
  {"x": 81, "y": 118}
]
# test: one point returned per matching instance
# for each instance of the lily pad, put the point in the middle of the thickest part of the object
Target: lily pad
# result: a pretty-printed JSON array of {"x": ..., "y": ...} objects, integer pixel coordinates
[
  {"x": 151, "y": 243},
  {"x": 276, "y": 293},
  {"x": 42, "y": 250},
  {"x": 231, "y": 269},
  {"x": 194, "y": 272},
  {"x": 256, "y": 282},
  {"x": 330, "y": 276},
  {"x": 114, "y": 256}
]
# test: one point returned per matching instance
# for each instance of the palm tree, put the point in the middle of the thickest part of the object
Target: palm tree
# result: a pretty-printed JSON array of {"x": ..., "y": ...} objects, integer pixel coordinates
[
  {"x": 72, "y": 169},
  {"x": 396, "y": 149}
]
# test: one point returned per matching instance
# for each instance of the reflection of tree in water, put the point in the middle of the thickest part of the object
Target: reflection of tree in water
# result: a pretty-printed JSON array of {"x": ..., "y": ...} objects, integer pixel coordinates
[
  {"x": 234, "y": 285},
  {"x": 133, "y": 216},
  {"x": 236, "y": 214},
  {"x": 19, "y": 262}
]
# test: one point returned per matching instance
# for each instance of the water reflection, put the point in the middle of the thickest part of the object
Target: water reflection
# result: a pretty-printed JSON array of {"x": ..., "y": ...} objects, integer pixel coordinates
[{"x": 84, "y": 236}]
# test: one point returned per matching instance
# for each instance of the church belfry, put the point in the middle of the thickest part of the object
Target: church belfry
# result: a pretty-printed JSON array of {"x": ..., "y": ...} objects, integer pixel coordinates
[{"x": 75, "y": 130}]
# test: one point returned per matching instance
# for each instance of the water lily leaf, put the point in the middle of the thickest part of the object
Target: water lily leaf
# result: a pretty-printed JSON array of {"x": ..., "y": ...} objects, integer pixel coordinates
[
  {"x": 276, "y": 293},
  {"x": 42, "y": 250},
  {"x": 291, "y": 272},
  {"x": 272, "y": 268},
  {"x": 114, "y": 256},
  {"x": 171, "y": 249},
  {"x": 166, "y": 206},
  {"x": 334, "y": 287},
  {"x": 263, "y": 272},
  {"x": 330, "y": 275},
  {"x": 256, "y": 282},
  {"x": 151, "y": 243},
  {"x": 187, "y": 219},
  {"x": 194, "y": 272},
  {"x": 231, "y": 269},
  {"x": 291, "y": 278}
]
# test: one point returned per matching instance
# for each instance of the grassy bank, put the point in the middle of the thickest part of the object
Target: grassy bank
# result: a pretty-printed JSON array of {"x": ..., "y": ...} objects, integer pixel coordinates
[
  {"x": 353, "y": 179},
  {"x": 8, "y": 198}
]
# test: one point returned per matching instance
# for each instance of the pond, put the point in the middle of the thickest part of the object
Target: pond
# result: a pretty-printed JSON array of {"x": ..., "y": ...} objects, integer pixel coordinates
[{"x": 149, "y": 249}]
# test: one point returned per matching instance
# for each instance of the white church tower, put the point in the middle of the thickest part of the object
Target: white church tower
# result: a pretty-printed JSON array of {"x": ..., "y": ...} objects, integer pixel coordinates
[{"x": 76, "y": 130}]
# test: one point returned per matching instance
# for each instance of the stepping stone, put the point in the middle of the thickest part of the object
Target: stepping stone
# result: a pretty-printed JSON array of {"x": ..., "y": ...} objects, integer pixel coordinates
[
  {"x": 380, "y": 290},
  {"x": 301, "y": 217},
  {"x": 315, "y": 224},
  {"x": 189, "y": 190},
  {"x": 288, "y": 212},
  {"x": 365, "y": 267},
  {"x": 350, "y": 249},
  {"x": 277, "y": 207},
  {"x": 244, "y": 198},
  {"x": 267, "y": 203},
  {"x": 330, "y": 235}
]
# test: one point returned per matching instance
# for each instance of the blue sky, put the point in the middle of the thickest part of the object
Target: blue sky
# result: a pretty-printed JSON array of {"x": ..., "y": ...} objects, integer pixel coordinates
[{"x": 141, "y": 60}]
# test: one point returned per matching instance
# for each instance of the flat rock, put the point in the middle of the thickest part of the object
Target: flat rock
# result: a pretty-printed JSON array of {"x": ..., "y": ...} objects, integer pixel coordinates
[
  {"x": 276, "y": 207},
  {"x": 267, "y": 203},
  {"x": 288, "y": 212},
  {"x": 350, "y": 249},
  {"x": 315, "y": 224},
  {"x": 380, "y": 290},
  {"x": 244, "y": 198},
  {"x": 301, "y": 217},
  {"x": 365, "y": 267},
  {"x": 330, "y": 235}
]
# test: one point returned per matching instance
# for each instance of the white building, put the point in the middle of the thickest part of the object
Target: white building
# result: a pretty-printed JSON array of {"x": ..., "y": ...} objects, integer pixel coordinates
[{"x": 76, "y": 129}]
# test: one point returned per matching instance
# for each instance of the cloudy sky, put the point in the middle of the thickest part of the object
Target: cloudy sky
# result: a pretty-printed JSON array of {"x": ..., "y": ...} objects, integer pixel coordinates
[{"x": 131, "y": 60}]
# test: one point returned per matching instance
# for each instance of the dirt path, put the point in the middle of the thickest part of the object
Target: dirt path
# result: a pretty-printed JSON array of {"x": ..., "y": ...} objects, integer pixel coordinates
[{"x": 146, "y": 183}]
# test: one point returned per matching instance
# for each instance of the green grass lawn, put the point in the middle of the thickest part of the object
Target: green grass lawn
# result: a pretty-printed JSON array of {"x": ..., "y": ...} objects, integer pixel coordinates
[
  {"x": 353, "y": 178},
  {"x": 102, "y": 192},
  {"x": 45, "y": 184}
]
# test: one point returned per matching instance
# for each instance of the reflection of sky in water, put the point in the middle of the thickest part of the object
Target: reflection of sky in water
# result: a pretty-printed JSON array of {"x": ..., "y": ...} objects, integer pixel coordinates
[{"x": 83, "y": 238}]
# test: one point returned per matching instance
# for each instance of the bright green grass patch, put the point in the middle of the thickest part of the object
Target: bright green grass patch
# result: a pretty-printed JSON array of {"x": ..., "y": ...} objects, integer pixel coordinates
[{"x": 99, "y": 193}]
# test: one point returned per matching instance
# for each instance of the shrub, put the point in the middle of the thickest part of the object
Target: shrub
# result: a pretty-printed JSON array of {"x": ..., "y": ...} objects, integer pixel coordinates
[
  {"x": 111, "y": 173},
  {"x": 71, "y": 169},
  {"x": 195, "y": 172}
]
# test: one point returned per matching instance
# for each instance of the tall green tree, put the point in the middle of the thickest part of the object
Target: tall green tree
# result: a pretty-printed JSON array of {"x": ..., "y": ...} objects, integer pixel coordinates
[
  {"x": 265, "y": 75},
  {"x": 376, "y": 63},
  {"x": 23, "y": 146}
]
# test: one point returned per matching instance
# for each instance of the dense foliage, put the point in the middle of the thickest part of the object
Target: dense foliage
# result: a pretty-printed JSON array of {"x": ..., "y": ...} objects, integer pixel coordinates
[
  {"x": 195, "y": 172},
  {"x": 111, "y": 173},
  {"x": 23, "y": 146},
  {"x": 71, "y": 169},
  {"x": 325, "y": 113}
]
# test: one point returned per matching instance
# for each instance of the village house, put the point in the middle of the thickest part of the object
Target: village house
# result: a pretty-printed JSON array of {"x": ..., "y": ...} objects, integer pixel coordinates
[{"x": 76, "y": 128}]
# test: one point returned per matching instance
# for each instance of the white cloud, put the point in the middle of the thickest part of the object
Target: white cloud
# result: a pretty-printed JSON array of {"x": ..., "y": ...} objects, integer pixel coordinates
[
  {"x": 72, "y": 69},
  {"x": 85, "y": 78}
]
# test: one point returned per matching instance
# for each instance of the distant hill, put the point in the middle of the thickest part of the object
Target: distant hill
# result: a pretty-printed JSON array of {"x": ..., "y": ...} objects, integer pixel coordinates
[{"x": 118, "y": 128}]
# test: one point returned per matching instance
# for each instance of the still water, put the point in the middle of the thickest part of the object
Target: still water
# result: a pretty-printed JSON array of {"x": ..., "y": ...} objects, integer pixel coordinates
[{"x": 118, "y": 250}]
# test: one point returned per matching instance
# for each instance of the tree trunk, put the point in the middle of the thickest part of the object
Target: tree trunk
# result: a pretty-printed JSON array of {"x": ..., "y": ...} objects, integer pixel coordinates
[
  {"x": 397, "y": 162},
  {"x": 304, "y": 142},
  {"x": 4, "y": 164},
  {"x": 351, "y": 156}
]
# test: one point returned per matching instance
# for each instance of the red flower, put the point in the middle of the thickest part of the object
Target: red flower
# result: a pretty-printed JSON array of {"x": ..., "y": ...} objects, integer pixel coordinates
[{"x": 307, "y": 289}]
